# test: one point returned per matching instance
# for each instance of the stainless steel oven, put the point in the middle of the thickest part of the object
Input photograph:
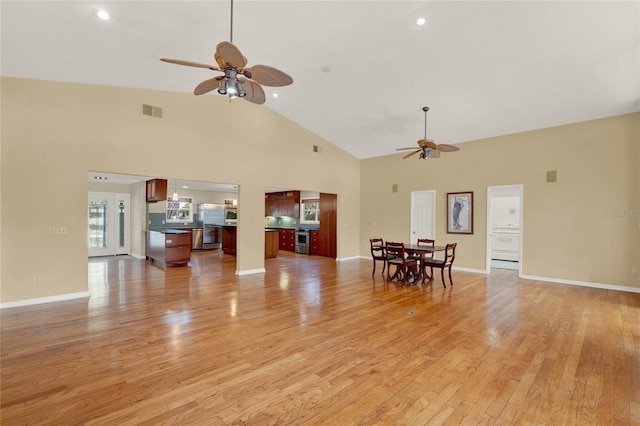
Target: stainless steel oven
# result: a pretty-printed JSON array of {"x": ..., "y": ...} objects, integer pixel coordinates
[{"x": 303, "y": 241}]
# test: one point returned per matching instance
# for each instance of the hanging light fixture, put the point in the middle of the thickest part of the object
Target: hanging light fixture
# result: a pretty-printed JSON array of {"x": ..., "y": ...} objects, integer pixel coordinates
[{"x": 175, "y": 196}]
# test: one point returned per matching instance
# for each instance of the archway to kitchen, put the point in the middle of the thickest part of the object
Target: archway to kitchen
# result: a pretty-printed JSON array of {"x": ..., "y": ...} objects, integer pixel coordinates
[{"x": 178, "y": 204}]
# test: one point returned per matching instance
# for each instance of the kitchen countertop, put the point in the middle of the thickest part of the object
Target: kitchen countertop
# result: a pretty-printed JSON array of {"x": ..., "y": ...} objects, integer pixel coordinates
[{"x": 168, "y": 231}]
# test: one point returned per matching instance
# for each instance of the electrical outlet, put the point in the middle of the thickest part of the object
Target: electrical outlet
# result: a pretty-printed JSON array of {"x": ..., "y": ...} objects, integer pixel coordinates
[
  {"x": 37, "y": 279},
  {"x": 59, "y": 230}
]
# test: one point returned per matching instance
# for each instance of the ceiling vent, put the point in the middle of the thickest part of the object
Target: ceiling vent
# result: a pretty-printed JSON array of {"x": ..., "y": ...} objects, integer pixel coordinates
[{"x": 152, "y": 111}]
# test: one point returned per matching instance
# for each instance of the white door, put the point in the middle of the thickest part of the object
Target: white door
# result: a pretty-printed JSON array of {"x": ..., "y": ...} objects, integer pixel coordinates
[
  {"x": 423, "y": 215},
  {"x": 108, "y": 224}
]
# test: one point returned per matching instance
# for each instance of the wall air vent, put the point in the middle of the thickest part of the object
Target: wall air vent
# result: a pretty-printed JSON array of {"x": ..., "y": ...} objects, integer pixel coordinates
[
  {"x": 394, "y": 187},
  {"x": 152, "y": 111},
  {"x": 552, "y": 176}
]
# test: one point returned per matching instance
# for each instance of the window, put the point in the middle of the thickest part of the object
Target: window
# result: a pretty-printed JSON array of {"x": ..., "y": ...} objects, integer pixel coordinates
[
  {"x": 310, "y": 211},
  {"x": 179, "y": 211}
]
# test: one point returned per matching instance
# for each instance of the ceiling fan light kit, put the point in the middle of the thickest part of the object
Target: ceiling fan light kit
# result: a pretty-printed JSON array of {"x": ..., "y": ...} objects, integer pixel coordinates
[
  {"x": 427, "y": 147},
  {"x": 232, "y": 63}
]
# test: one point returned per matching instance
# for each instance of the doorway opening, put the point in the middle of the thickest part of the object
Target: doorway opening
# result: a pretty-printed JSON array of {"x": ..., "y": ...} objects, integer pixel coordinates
[
  {"x": 504, "y": 227},
  {"x": 108, "y": 222}
]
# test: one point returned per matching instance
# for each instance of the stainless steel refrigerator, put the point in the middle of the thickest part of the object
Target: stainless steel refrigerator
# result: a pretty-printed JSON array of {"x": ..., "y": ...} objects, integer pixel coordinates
[{"x": 211, "y": 219}]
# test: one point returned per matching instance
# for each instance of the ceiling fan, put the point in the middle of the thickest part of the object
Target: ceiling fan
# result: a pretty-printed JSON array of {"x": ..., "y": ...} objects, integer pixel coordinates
[
  {"x": 428, "y": 148},
  {"x": 237, "y": 81}
]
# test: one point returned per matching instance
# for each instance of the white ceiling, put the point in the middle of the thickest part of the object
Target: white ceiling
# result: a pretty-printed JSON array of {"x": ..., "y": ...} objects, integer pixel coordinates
[{"x": 362, "y": 70}]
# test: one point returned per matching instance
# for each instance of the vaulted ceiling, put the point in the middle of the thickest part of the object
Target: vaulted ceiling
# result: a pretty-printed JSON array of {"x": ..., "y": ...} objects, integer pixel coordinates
[{"x": 362, "y": 70}]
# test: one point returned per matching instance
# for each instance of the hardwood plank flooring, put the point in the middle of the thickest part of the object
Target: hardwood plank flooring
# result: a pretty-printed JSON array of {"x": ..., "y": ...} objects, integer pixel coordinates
[{"x": 318, "y": 342}]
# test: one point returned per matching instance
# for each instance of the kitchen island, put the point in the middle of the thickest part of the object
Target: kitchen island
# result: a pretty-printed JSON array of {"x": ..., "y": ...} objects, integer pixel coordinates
[
  {"x": 229, "y": 236},
  {"x": 171, "y": 247}
]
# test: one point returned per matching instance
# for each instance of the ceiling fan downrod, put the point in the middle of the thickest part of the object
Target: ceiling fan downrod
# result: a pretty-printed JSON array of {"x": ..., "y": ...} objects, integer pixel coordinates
[{"x": 231, "y": 25}]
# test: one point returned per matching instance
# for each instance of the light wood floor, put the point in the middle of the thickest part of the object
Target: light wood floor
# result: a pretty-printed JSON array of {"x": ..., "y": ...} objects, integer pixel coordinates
[{"x": 315, "y": 342}]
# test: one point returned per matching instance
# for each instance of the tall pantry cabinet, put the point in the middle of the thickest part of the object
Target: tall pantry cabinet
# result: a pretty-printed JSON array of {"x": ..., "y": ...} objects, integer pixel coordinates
[{"x": 328, "y": 225}]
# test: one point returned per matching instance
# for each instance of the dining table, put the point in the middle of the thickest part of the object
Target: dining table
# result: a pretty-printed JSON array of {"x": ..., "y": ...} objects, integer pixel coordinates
[{"x": 422, "y": 250}]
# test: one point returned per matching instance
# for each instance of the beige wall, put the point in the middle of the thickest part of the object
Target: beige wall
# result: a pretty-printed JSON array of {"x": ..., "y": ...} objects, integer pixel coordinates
[
  {"x": 584, "y": 228},
  {"x": 54, "y": 133}
]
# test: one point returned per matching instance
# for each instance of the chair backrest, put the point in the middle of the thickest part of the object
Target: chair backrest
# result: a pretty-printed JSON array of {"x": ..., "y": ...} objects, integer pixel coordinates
[
  {"x": 395, "y": 250},
  {"x": 377, "y": 247},
  {"x": 426, "y": 242},
  {"x": 450, "y": 253}
]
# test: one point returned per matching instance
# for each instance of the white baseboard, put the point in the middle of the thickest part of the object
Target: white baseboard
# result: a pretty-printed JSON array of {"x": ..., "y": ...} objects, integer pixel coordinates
[
  {"x": 343, "y": 259},
  {"x": 582, "y": 283},
  {"x": 472, "y": 270},
  {"x": 251, "y": 271},
  {"x": 138, "y": 256},
  {"x": 49, "y": 299}
]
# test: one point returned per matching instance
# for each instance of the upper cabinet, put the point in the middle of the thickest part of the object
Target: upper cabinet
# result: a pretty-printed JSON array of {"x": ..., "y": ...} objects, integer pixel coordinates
[
  {"x": 156, "y": 190},
  {"x": 285, "y": 203}
]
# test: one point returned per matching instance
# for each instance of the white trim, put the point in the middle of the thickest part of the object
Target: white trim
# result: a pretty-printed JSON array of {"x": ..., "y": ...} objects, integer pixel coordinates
[
  {"x": 582, "y": 283},
  {"x": 472, "y": 270},
  {"x": 48, "y": 299},
  {"x": 251, "y": 271},
  {"x": 343, "y": 259},
  {"x": 138, "y": 256}
]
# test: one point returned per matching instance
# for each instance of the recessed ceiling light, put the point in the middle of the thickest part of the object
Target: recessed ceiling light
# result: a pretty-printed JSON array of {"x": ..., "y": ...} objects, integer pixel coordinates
[
  {"x": 420, "y": 22},
  {"x": 103, "y": 14},
  {"x": 275, "y": 95}
]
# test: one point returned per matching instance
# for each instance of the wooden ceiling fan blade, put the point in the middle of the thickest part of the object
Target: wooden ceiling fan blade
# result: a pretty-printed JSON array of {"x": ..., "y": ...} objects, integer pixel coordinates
[
  {"x": 412, "y": 153},
  {"x": 447, "y": 148},
  {"x": 230, "y": 55},
  {"x": 207, "y": 86},
  {"x": 254, "y": 93},
  {"x": 427, "y": 143},
  {"x": 190, "y": 63},
  {"x": 268, "y": 76}
]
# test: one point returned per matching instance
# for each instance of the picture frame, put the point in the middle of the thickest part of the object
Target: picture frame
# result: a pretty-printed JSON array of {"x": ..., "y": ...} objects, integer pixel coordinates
[{"x": 460, "y": 212}]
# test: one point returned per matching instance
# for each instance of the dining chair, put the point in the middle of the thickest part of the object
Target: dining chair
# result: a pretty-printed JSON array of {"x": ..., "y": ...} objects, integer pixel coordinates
[
  {"x": 442, "y": 264},
  {"x": 378, "y": 253},
  {"x": 426, "y": 242},
  {"x": 404, "y": 265}
]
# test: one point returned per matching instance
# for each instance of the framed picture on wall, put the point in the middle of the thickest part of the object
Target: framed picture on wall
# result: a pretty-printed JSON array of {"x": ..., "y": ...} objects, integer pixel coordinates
[{"x": 459, "y": 212}]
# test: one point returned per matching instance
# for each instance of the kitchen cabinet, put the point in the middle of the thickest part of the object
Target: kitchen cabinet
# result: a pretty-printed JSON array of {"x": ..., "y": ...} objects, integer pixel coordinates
[
  {"x": 315, "y": 242},
  {"x": 288, "y": 240},
  {"x": 229, "y": 240},
  {"x": 271, "y": 243},
  {"x": 285, "y": 203},
  {"x": 156, "y": 190},
  {"x": 170, "y": 247},
  {"x": 328, "y": 225}
]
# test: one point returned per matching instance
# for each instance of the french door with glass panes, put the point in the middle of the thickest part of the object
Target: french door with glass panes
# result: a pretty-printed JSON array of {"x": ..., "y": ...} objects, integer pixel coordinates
[{"x": 108, "y": 219}]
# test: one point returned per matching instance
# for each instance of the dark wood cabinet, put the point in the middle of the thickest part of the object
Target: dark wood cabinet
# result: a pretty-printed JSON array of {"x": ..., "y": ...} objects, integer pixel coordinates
[
  {"x": 282, "y": 204},
  {"x": 314, "y": 236},
  {"x": 328, "y": 225},
  {"x": 287, "y": 240},
  {"x": 170, "y": 248},
  {"x": 229, "y": 240},
  {"x": 156, "y": 190},
  {"x": 271, "y": 244}
]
